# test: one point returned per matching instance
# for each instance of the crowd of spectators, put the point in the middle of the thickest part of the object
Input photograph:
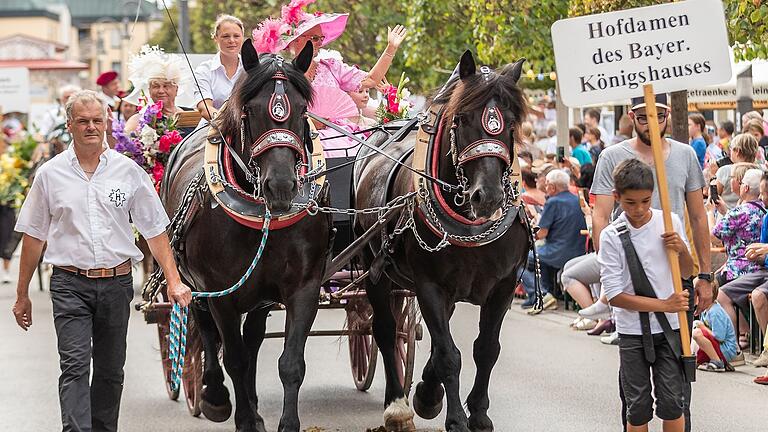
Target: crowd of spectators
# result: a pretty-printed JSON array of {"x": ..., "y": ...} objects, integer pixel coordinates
[{"x": 718, "y": 183}]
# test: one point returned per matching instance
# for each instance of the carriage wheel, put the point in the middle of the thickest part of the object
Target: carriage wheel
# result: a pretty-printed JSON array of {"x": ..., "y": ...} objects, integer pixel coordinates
[
  {"x": 192, "y": 376},
  {"x": 164, "y": 337},
  {"x": 363, "y": 352},
  {"x": 404, "y": 310}
]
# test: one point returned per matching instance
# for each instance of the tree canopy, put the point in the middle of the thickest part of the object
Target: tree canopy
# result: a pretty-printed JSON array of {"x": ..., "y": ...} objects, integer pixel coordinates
[{"x": 497, "y": 31}]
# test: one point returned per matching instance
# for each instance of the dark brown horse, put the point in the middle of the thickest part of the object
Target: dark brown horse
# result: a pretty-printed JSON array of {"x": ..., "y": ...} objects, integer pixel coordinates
[
  {"x": 473, "y": 147},
  {"x": 217, "y": 250}
]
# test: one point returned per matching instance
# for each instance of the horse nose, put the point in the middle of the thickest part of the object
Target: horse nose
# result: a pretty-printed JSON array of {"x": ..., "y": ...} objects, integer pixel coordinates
[
  {"x": 485, "y": 199},
  {"x": 280, "y": 188}
]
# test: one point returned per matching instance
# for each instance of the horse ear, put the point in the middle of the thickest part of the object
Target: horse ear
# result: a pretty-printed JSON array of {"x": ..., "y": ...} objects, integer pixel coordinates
[
  {"x": 304, "y": 59},
  {"x": 516, "y": 70},
  {"x": 467, "y": 65},
  {"x": 249, "y": 55}
]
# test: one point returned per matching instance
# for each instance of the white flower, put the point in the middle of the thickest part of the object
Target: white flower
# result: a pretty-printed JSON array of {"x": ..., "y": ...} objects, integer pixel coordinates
[
  {"x": 148, "y": 136},
  {"x": 405, "y": 94}
]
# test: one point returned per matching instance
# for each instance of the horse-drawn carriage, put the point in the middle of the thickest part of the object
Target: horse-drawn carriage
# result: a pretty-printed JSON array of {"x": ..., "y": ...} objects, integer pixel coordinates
[
  {"x": 343, "y": 289},
  {"x": 260, "y": 174}
]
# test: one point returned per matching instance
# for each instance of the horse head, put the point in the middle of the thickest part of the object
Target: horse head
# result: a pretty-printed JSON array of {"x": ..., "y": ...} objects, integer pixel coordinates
[
  {"x": 483, "y": 111},
  {"x": 266, "y": 115}
]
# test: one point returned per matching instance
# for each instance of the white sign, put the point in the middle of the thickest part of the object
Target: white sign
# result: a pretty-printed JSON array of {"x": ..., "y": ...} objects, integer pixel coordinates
[
  {"x": 14, "y": 90},
  {"x": 610, "y": 56}
]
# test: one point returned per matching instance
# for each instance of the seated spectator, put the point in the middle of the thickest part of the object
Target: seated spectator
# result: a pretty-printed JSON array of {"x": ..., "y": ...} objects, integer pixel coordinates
[
  {"x": 741, "y": 225},
  {"x": 743, "y": 149},
  {"x": 579, "y": 276},
  {"x": 738, "y": 291},
  {"x": 578, "y": 149},
  {"x": 715, "y": 338},
  {"x": 560, "y": 225},
  {"x": 533, "y": 198},
  {"x": 625, "y": 130}
]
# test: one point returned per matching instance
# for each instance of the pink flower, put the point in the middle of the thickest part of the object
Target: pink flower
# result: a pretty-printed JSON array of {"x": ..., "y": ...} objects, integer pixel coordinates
[
  {"x": 175, "y": 137},
  {"x": 159, "y": 105},
  {"x": 267, "y": 38},
  {"x": 157, "y": 172},
  {"x": 165, "y": 143},
  {"x": 385, "y": 120}
]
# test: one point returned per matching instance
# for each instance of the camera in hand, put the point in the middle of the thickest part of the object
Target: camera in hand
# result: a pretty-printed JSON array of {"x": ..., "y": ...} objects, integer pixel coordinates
[
  {"x": 561, "y": 154},
  {"x": 723, "y": 161},
  {"x": 714, "y": 197}
]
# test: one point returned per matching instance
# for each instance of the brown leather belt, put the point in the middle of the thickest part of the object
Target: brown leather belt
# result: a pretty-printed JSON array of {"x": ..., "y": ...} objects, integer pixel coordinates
[{"x": 120, "y": 270}]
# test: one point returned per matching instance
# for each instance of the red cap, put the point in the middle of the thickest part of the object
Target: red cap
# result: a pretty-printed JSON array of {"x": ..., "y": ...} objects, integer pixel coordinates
[
  {"x": 122, "y": 93},
  {"x": 106, "y": 78}
]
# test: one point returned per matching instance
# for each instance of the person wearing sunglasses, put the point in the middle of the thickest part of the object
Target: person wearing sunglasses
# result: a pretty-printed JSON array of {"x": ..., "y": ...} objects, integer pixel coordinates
[{"x": 329, "y": 75}]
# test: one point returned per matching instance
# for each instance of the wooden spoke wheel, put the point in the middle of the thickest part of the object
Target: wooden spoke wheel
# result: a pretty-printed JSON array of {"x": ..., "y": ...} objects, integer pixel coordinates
[
  {"x": 408, "y": 332},
  {"x": 192, "y": 375},
  {"x": 164, "y": 337},
  {"x": 363, "y": 352}
]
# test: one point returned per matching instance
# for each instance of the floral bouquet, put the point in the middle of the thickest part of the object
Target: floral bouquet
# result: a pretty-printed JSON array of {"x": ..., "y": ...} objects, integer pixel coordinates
[
  {"x": 151, "y": 143},
  {"x": 396, "y": 105},
  {"x": 15, "y": 168}
]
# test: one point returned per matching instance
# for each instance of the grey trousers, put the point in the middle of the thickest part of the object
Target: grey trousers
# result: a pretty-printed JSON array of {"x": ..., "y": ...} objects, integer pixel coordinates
[{"x": 91, "y": 320}]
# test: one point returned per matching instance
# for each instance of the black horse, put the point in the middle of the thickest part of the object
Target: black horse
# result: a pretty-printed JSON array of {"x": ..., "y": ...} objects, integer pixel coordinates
[
  {"x": 473, "y": 146},
  {"x": 217, "y": 249}
]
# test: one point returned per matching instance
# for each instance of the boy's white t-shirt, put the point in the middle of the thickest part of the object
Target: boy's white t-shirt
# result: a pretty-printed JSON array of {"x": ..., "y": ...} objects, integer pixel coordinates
[{"x": 614, "y": 271}]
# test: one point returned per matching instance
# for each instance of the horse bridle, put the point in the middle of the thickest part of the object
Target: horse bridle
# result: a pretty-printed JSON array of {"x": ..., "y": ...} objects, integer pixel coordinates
[
  {"x": 493, "y": 124},
  {"x": 279, "y": 110}
]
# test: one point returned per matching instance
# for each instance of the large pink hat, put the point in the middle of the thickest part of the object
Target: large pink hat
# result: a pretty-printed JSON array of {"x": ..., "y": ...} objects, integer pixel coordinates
[{"x": 272, "y": 35}]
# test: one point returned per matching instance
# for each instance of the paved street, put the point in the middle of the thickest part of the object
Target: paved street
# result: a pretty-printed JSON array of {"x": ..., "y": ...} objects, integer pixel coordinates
[{"x": 549, "y": 378}]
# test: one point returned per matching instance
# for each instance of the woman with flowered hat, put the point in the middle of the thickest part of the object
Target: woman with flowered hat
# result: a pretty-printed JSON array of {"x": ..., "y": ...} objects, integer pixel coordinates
[
  {"x": 157, "y": 78},
  {"x": 328, "y": 73}
]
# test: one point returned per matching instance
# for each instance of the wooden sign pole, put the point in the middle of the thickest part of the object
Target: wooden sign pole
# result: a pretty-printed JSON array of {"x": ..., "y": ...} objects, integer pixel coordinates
[{"x": 661, "y": 177}]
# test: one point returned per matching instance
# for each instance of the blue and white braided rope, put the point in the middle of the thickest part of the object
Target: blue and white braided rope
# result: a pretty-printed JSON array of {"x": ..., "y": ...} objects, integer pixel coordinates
[{"x": 178, "y": 330}]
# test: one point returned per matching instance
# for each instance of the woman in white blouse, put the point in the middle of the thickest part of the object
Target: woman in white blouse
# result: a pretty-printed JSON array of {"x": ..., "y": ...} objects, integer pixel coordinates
[{"x": 218, "y": 75}]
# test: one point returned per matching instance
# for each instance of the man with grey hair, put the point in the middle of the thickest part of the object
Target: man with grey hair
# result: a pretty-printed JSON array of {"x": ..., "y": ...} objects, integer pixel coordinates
[
  {"x": 560, "y": 225},
  {"x": 82, "y": 203}
]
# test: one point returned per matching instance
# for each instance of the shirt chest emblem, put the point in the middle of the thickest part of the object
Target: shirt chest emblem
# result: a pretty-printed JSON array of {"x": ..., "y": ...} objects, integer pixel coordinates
[{"x": 117, "y": 197}]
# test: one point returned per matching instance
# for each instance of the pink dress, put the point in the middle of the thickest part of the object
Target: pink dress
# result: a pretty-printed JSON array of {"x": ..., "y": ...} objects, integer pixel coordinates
[{"x": 332, "y": 72}]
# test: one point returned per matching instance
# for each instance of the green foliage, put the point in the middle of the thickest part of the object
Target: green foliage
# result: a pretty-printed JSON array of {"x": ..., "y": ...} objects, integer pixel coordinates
[{"x": 747, "y": 28}]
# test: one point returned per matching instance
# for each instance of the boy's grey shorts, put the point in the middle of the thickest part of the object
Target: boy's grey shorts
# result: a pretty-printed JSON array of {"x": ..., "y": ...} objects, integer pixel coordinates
[{"x": 636, "y": 376}]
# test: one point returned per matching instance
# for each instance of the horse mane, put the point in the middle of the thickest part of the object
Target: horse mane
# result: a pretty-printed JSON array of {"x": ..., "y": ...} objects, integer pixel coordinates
[
  {"x": 473, "y": 93},
  {"x": 250, "y": 84}
]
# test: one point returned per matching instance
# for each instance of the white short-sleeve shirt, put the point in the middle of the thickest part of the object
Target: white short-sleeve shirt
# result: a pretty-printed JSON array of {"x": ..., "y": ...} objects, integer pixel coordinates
[
  {"x": 214, "y": 82},
  {"x": 87, "y": 223},
  {"x": 614, "y": 271}
]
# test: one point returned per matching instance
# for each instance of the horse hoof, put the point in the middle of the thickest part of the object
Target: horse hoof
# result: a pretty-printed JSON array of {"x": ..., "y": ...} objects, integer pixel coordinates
[
  {"x": 216, "y": 413},
  {"x": 422, "y": 405},
  {"x": 480, "y": 423},
  {"x": 398, "y": 417}
]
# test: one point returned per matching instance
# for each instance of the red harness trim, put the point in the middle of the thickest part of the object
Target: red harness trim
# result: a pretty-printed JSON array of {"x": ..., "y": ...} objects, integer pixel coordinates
[
  {"x": 275, "y": 224},
  {"x": 436, "y": 188}
]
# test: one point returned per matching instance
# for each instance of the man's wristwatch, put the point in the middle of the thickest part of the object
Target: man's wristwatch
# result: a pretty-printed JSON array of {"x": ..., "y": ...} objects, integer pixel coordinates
[{"x": 709, "y": 277}]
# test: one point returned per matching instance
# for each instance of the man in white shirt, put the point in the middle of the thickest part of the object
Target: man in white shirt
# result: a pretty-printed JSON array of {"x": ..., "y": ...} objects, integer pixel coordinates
[{"x": 82, "y": 203}]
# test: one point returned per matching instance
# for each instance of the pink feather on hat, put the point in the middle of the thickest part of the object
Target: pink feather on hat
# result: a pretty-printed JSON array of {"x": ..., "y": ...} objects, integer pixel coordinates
[
  {"x": 268, "y": 36},
  {"x": 294, "y": 13}
]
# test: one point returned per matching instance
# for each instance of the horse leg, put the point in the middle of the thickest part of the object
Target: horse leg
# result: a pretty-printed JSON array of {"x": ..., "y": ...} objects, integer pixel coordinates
[
  {"x": 253, "y": 335},
  {"x": 429, "y": 393},
  {"x": 446, "y": 357},
  {"x": 235, "y": 361},
  {"x": 398, "y": 416},
  {"x": 214, "y": 402},
  {"x": 301, "y": 309},
  {"x": 486, "y": 352}
]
